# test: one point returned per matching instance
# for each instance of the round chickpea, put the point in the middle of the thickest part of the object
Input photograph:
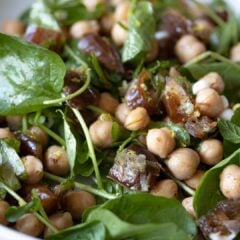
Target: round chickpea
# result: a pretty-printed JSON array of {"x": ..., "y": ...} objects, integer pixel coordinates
[
  {"x": 13, "y": 27},
  {"x": 3, "y": 208},
  {"x": 122, "y": 112},
  {"x": 235, "y": 53},
  {"x": 194, "y": 181},
  {"x": 108, "y": 103},
  {"x": 188, "y": 205}
]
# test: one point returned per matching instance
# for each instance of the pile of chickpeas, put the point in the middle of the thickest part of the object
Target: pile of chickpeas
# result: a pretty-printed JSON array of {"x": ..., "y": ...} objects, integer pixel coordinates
[{"x": 183, "y": 163}]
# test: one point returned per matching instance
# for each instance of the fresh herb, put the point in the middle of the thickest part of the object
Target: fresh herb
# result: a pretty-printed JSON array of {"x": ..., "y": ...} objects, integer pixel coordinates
[{"x": 141, "y": 29}]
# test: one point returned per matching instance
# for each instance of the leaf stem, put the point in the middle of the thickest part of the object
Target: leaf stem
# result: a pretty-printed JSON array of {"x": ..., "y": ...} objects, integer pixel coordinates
[
  {"x": 22, "y": 202},
  {"x": 128, "y": 140},
  {"x": 24, "y": 123},
  {"x": 52, "y": 134},
  {"x": 96, "y": 109},
  {"x": 75, "y": 57},
  {"x": 82, "y": 186},
  {"x": 90, "y": 147},
  {"x": 73, "y": 95}
]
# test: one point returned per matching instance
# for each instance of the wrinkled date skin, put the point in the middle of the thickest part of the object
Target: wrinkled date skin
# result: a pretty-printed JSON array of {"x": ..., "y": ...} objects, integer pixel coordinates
[
  {"x": 47, "y": 197},
  {"x": 48, "y": 38},
  {"x": 135, "y": 168},
  {"x": 72, "y": 83},
  {"x": 141, "y": 93},
  {"x": 92, "y": 44},
  {"x": 29, "y": 146},
  {"x": 223, "y": 219}
]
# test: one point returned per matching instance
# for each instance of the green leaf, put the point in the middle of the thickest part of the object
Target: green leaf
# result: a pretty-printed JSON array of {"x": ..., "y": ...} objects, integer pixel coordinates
[
  {"x": 119, "y": 229},
  {"x": 229, "y": 131},
  {"x": 144, "y": 208},
  {"x": 208, "y": 193},
  {"x": 71, "y": 144},
  {"x": 87, "y": 231},
  {"x": 41, "y": 16},
  {"x": 141, "y": 29},
  {"x": 29, "y": 75}
]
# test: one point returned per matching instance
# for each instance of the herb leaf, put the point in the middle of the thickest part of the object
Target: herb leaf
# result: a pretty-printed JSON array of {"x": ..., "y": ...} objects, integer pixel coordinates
[
  {"x": 29, "y": 75},
  {"x": 141, "y": 31}
]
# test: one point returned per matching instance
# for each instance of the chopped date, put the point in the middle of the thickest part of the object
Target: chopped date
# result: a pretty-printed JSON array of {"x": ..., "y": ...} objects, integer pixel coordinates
[
  {"x": 45, "y": 37},
  {"x": 135, "y": 168},
  {"x": 223, "y": 220},
  {"x": 142, "y": 93},
  {"x": 74, "y": 82},
  {"x": 108, "y": 56}
]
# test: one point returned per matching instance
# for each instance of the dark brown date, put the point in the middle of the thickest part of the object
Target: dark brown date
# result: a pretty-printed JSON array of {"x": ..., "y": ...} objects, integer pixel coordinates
[
  {"x": 106, "y": 54},
  {"x": 45, "y": 37},
  {"x": 142, "y": 93},
  {"x": 29, "y": 146}
]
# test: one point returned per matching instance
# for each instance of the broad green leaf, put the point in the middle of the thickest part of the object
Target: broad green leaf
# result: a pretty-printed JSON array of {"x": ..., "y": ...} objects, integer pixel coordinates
[
  {"x": 141, "y": 29},
  {"x": 208, "y": 193},
  {"x": 119, "y": 229},
  {"x": 29, "y": 75},
  {"x": 87, "y": 231}
]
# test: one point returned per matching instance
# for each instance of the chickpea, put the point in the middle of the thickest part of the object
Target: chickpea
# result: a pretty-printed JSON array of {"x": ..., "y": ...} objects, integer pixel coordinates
[
  {"x": 235, "y": 53},
  {"x": 166, "y": 188},
  {"x": 34, "y": 169},
  {"x": 183, "y": 163},
  {"x": 81, "y": 28},
  {"x": 226, "y": 114},
  {"x": 101, "y": 133},
  {"x": 3, "y": 208},
  {"x": 5, "y": 133},
  {"x": 13, "y": 27},
  {"x": 211, "y": 151},
  {"x": 188, "y": 205},
  {"x": 60, "y": 220},
  {"x": 119, "y": 34},
  {"x": 91, "y": 4},
  {"x": 137, "y": 119},
  {"x": 122, "y": 11},
  {"x": 122, "y": 112},
  {"x": 30, "y": 225},
  {"x": 38, "y": 134},
  {"x": 188, "y": 47},
  {"x": 106, "y": 23},
  {"x": 14, "y": 122},
  {"x": 108, "y": 103},
  {"x": 56, "y": 160},
  {"x": 230, "y": 181},
  {"x": 225, "y": 102},
  {"x": 211, "y": 80},
  {"x": 209, "y": 103},
  {"x": 160, "y": 142},
  {"x": 77, "y": 202},
  {"x": 194, "y": 181}
]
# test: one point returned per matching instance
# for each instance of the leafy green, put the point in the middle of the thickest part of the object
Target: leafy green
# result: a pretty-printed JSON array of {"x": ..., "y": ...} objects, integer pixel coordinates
[
  {"x": 87, "y": 231},
  {"x": 229, "y": 131},
  {"x": 11, "y": 167},
  {"x": 144, "y": 208},
  {"x": 119, "y": 229},
  {"x": 141, "y": 29},
  {"x": 29, "y": 75},
  {"x": 71, "y": 143},
  {"x": 208, "y": 193}
]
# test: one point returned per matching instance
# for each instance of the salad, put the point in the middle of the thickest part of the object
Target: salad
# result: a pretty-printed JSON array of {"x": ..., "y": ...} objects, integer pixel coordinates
[{"x": 121, "y": 120}]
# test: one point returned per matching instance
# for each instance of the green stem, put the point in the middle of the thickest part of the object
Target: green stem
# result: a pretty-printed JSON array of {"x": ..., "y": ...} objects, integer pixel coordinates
[
  {"x": 128, "y": 140},
  {"x": 75, "y": 57},
  {"x": 52, "y": 134},
  {"x": 90, "y": 147},
  {"x": 82, "y": 186},
  {"x": 37, "y": 116},
  {"x": 96, "y": 109},
  {"x": 73, "y": 95},
  {"x": 210, "y": 13},
  {"x": 22, "y": 202},
  {"x": 24, "y": 123}
]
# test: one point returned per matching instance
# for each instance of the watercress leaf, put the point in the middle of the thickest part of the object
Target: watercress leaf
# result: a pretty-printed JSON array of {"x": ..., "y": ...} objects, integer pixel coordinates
[
  {"x": 229, "y": 71},
  {"x": 229, "y": 131},
  {"x": 144, "y": 208},
  {"x": 208, "y": 193},
  {"x": 71, "y": 143},
  {"x": 14, "y": 213},
  {"x": 141, "y": 29},
  {"x": 119, "y": 229},
  {"x": 29, "y": 75},
  {"x": 236, "y": 117},
  {"x": 94, "y": 230},
  {"x": 41, "y": 16}
]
